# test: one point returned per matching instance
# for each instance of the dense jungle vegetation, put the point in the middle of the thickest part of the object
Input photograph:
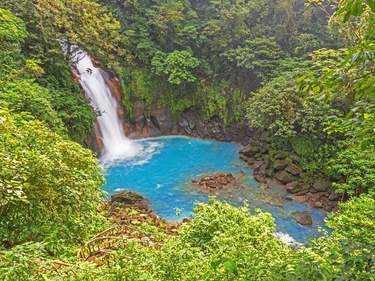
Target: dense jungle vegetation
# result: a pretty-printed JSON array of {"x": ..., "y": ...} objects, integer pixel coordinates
[{"x": 303, "y": 71}]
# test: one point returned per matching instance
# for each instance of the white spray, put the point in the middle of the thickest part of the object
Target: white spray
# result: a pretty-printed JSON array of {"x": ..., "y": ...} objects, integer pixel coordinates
[{"x": 116, "y": 145}]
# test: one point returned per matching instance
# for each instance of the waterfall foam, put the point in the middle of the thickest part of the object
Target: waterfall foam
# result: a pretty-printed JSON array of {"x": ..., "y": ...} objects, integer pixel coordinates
[{"x": 116, "y": 146}]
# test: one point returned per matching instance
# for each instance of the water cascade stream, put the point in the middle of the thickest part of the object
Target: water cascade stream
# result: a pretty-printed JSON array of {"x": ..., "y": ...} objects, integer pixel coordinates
[{"x": 115, "y": 144}]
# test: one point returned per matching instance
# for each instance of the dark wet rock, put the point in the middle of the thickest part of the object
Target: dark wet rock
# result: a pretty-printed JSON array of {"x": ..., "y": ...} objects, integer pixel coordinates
[
  {"x": 284, "y": 177},
  {"x": 321, "y": 185},
  {"x": 330, "y": 205},
  {"x": 293, "y": 187},
  {"x": 130, "y": 199},
  {"x": 250, "y": 150},
  {"x": 304, "y": 190},
  {"x": 269, "y": 172},
  {"x": 293, "y": 169},
  {"x": 280, "y": 164},
  {"x": 315, "y": 197},
  {"x": 303, "y": 218},
  {"x": 271, "y": 182},
  {"x": 263, "y": 169}
]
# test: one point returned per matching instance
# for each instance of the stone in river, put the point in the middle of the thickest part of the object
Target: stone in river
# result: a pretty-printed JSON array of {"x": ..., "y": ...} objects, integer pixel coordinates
[{"x": 303, "y": 218}]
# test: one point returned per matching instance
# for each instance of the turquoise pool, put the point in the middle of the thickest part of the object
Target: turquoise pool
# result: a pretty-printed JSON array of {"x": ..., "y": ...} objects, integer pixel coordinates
[{"x": 164, "y": 169}]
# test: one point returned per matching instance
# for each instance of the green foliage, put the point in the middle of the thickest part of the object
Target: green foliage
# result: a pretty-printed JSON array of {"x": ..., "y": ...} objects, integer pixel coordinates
[
  {"x": 221, "y": 243},
  {"x": 186, "y": 54},
  {"x": 20, "y": 261},
  {"x": 238, "y": 43},
  {"x": 177, "y": 66},
  {"x": 353, "y": 169},
  {"x": 49, "y": 186},
  {"x": 261, "y": 55},
  {"x": 74, "y": 111},
  {"x": 286, "y": 112},
  {"x": 347, "y": 253},
  {"x": 12, "y": 29},
  {"x": 306, "y": 43},
  {"x": 215, "y": 101},
  {"x": 12, "y": 35},
  {"x": 27, "y": 96},
  {"x": 83, "y": 23}
]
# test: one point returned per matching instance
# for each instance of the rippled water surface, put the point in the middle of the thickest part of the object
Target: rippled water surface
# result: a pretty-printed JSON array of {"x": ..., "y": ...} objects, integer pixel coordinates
[{"x": 163, "y": 172}]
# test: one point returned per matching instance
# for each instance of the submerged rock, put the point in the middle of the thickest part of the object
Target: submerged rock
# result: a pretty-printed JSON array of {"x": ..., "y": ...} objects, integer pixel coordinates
[{"x": 303, "y": 218}]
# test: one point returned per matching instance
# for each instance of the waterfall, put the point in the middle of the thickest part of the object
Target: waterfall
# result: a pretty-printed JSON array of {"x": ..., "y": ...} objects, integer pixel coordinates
[{"x": 116, "y": 145}]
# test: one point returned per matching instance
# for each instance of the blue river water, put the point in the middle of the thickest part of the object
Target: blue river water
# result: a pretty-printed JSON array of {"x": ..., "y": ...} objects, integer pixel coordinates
[{"x": 163, "y": 172}]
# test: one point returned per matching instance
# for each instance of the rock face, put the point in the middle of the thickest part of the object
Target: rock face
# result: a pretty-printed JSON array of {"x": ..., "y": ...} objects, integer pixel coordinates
[
  {"x": 215, "y": 182},
  {"x": 303, "y": 218},
  {"x": 157, "y": 120},
  {"x": 152, "y": 120}
]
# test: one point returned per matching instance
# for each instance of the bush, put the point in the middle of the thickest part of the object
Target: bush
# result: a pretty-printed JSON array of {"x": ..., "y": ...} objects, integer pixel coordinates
[
  {"x": 28, "y": 96},
  {"x": 283, "y": 110},
  {"x": 49, "y": 186},
  {"x": 346, "y": 254}
]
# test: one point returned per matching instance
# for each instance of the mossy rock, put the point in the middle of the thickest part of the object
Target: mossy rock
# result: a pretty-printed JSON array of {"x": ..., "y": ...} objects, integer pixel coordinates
[{"x": 130, "y": 199}]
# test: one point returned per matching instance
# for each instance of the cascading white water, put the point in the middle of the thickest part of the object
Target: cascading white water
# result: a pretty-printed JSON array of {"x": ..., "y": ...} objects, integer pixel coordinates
[{"x": 116, "y": 144}]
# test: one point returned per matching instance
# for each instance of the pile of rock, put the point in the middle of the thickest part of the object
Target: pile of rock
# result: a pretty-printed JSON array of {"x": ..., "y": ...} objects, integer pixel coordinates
[
  {"x": 216, "y": 182},
  {"x": 284, "y": 171}
]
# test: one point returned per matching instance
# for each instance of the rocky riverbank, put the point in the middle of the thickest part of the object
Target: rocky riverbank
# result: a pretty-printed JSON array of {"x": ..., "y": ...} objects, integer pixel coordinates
[{"x": 284, "y": 171}]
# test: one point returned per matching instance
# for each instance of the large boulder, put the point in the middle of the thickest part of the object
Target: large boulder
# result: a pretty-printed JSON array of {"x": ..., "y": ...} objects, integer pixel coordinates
[
  {"x": 250, "y": 150},
  {"x": 284, "y": 177},
  {"x": 293, "y": 187},
  {"x": 130, "y": 199},
  {"x": 293, "y": 169},
  {"x": 303, "y": 218},
  {"x": 280, "y": 164}
]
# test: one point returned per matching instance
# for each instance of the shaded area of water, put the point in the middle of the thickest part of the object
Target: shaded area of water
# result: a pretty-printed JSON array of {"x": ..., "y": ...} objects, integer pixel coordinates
[{"x": 163, "y": 171}]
